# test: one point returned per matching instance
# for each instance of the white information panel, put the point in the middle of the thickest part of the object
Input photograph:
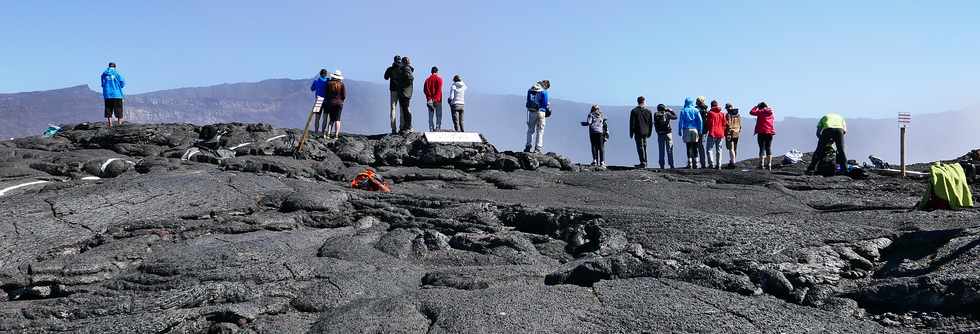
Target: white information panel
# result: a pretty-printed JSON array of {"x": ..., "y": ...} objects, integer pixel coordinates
[{"x": 453, "y": 137}]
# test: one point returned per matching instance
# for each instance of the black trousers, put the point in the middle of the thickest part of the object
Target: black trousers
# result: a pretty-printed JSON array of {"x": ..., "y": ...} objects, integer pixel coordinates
[
  {"x": 828, "y": 136},
  {"x": 406, "y": 114},
  {"x": 598, "y": 141},
  {"x": 641, "y": 148},
  {"x": 765, "y": 144}
]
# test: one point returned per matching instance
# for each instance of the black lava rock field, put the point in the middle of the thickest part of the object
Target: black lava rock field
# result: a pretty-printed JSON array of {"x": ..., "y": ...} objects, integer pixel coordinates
[{"x": 177, "y": 228}]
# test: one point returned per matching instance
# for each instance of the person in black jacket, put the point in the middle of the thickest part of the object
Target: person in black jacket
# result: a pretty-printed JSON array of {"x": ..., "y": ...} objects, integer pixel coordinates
[
  {"x": 391, "y": 75},
  {"x": 665, "y": 137},
  {"x": 406, "y": 79},
  {"x": 641, "y": 124}
]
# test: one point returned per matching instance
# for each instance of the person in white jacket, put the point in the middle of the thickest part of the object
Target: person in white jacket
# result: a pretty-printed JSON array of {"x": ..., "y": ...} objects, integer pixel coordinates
[{"x": 456, "y": 94}]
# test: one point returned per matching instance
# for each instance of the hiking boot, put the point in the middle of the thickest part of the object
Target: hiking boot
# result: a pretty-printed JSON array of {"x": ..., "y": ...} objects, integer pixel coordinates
[
  {"x": 602, "y": 164},
  {"x": 527, "y": 149},
  {"x": 595, "y": 163}
]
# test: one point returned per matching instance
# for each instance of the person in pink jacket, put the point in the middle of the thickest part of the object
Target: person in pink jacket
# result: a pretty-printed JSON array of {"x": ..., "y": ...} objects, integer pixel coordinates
[{"x": 765, "y": 129}]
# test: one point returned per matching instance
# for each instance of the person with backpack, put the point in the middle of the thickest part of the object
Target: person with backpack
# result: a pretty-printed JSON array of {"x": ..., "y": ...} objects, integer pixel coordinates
[
  {"x": 830, "y": 130},
  {"x": 538, "y": 110},
  {"x": 433, "y": 99},
  {"x": 334, "y": 99},
  {"x": 391, "y": 74},
  {"x": 112, "y": 94},
  {"x": 641, "y": 126},
  {"x": 665, "y": 136},
  {"x": 733, "y": 129},
  {"x": 406, "y": 82},
  {"x": 598, "y": 134},
  {"x": 456, "y": 102},
  {"x": 319, "y": 88},
  {"x": 716, "y": 133},
  {"x": 765, "y": 129},
  {"x": 702, "y": 107},
  {"x": 689, "y": 126}
]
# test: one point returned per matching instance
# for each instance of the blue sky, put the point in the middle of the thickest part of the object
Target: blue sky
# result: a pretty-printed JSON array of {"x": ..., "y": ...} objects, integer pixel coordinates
[{"x": 872, "y": 58}]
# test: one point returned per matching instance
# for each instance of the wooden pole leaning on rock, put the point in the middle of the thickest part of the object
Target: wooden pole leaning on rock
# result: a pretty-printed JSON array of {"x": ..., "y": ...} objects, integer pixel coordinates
[{"x": 306, "y": 128}]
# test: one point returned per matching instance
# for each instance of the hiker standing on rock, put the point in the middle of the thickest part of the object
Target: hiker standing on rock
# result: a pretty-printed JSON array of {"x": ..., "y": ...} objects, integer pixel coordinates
[
  {"x": 765, "y": 129},
  {"x": 641, "y": 124},
  {"x": 406, "y": 82},
  {"x": 112, "y": 86},
  {"x": 456, "y": 103},
  {"x": 689, "y": 126},
  {"x": 391, "y": 74},
  {"x": 665, "y": 136},
  {"x": 336, "y": 94},
  {"x": 716, "y": 133},
  {"x": 433, "y": 99},
  {"x": 598, "y": 134},
  {"x": 702, "y": 107},
  {"x": 319, "y": 87},
  {"x": 733, "y": 129},
  {"x": 831, "y": 129},
  {"x": 538, "y": 110}
]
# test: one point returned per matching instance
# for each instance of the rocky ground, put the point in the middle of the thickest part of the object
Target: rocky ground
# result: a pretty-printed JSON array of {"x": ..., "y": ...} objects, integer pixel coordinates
[{"x": 224, "y": 229}]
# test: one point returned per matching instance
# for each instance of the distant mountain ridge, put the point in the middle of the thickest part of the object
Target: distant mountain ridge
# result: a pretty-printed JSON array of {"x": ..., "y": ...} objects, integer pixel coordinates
[{"x": 502, "y": 118}]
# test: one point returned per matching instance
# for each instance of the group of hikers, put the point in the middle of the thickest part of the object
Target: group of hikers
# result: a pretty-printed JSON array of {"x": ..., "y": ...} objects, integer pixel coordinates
[
  {"x": 401, "y": 77},
  {"x": 701, "y": 125},
  {"x": 703, "y": 129}
]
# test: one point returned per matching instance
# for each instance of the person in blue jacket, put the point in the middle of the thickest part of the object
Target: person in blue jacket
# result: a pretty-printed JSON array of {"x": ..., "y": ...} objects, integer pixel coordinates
[
  {"x": 112, "y": 86},
  {"x": 689, "y": 127},
  {"x": 538, "y": 110},
  {"x": 319, "y": 87}
]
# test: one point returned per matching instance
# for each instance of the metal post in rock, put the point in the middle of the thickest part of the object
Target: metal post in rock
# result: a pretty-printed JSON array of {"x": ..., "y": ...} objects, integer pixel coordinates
[{"x": 904, "y": 119}]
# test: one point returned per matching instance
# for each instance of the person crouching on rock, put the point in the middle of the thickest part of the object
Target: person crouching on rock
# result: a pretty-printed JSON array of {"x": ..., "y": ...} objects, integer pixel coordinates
[
  {"x": 689, "y": 127},
  {"x": 538, "y": 110},
  {"x": 831, "y": 129},
  {"x": 598, "y": 134},
  {"x": 641, "y": 126},
  {"x": 765, "y": 129},
  {"x": 456, "y": 103},
  {"x": 112, "y": 86},
  {"x": 319, "y": 87},
  {"x": 733, "y": 129},
  {"x": 336, "y": 94}
]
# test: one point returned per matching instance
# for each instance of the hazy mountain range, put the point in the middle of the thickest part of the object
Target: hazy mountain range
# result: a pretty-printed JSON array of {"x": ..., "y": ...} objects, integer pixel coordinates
[{"x": 501, "y": 118}]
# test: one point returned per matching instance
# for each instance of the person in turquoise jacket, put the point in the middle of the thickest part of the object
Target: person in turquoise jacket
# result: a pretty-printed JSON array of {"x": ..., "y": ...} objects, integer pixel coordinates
[
  {"x": 689, "y": 127},
  {"x": 112, "y": 86}
]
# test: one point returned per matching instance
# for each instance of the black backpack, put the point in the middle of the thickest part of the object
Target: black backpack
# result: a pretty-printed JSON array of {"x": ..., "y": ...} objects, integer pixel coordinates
[
  {"x": 661, "y": 122},
  {"x": 532, "y": 100}
]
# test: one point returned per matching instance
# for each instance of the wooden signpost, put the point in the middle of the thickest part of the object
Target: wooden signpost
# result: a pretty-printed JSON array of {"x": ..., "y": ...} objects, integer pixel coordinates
[
  {"x": 904, "y": 119},
  {"x": 316, "y": 108}
]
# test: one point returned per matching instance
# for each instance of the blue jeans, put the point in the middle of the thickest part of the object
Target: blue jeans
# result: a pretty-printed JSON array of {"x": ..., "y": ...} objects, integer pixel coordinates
[
  {"x": 714, "y": 149},
  {"x": 665, "y": 142},
  {"x": 435, "y": 109}
]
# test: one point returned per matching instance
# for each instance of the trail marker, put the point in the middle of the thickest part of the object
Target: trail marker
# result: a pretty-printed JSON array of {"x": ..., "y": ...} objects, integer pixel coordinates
[{"x": 904, "y": 119}]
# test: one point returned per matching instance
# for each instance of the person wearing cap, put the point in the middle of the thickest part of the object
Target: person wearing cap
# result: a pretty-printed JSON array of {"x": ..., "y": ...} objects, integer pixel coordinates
[
  {"x": 456, "y": 102},
  {"x": 665, "y": 140},
  {"x": 433, "y": 99},
  {"x": 406, "y": 84},
  {"x": 733, "y": 129},
  {"x": 319, "y": 87},
  {"x": 391, "y": 74},
  {"x": 538, "y": 110},
  {"x": 831, "y": 129},
  {"x": 334, "y": 99},
  {"x": 112, "y": 93}
]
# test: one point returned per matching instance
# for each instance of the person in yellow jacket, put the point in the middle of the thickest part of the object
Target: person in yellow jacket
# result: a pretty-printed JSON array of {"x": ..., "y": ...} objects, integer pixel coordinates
[{"x": 831, "y": 129}]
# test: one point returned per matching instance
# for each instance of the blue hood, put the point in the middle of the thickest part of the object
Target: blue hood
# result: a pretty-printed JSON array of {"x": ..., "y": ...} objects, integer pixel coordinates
[
  {"x": 112, "y": 84},
  {"x": 688, "y": 103},
  {"x": 689, "y": 118}
]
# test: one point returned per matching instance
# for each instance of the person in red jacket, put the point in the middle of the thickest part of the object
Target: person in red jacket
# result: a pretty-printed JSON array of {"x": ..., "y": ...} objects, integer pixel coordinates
[
  {"x": 433, "y": 99},
  {"x": 765, "y": 129},
  {"x": 716, "y": 135}
]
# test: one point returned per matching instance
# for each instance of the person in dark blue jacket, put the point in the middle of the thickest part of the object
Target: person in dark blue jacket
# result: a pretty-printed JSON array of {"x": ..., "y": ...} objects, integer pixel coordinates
[
  {"x": 112, "y": 86},
  {"x": 689, "y": 126},
  {"x": 319, "y": 87}
]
